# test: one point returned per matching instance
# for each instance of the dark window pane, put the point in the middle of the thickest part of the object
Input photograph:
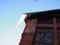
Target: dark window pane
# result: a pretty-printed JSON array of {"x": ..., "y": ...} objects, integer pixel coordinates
[
  {"x": 58, "y": 20},
  {"x": 44, "y": 30},
  {"x": 59, "y": 36},
  {"x": 45, "y": 21},
  {"x": 37, "y": 39},
  {"x": 36, "y": 44},
  {"x": 46, "y": 44},
  {"x": 44, "y": 36},
  {"x": 48, "y": 37}
]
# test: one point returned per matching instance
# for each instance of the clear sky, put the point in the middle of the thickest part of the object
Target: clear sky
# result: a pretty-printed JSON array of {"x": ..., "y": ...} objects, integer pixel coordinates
[{"x": 10, "y": 12}]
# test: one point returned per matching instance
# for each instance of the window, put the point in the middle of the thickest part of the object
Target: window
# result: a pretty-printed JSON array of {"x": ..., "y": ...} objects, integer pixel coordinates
[
  {"x": 36, "y": 43},
  {"x": 59, "y": 35},
  {"x": 37, "y": 39},
  {"x": 44, "y": 36},
  {"x": 45, "y": 21},
  {"x": 48, "y": 37},
  {"x": 58, "y": 20},
  {"x": 45, "y": 44}
]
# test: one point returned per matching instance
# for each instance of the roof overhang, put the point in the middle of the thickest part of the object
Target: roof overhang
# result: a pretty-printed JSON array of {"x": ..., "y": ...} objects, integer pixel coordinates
[{"x": 48, "y": 13}]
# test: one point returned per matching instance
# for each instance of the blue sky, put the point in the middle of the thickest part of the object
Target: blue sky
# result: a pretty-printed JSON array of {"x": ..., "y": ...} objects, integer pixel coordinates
[{"x": 10, "y": 12}]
